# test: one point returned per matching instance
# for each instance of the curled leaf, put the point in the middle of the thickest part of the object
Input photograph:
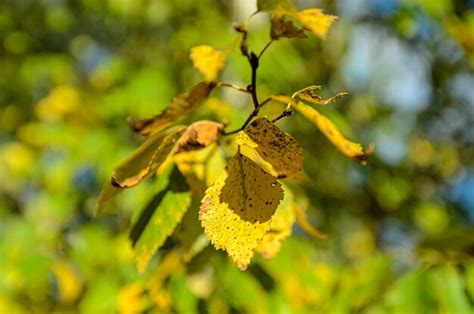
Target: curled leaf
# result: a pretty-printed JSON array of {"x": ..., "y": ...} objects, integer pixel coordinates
[
  {"x": 146, "y": 158},
  {"x": 329, "y": 129},
  {"x": 316, "y": 21},
  {"x": 180, "y": 106},
  {"x": 208, "y": 61},
  {"x": 199, "y": 135},
  {"x": 236, "y": 211},
  {"x": 287, "y": 100},
  {"x": 309, "y": 94},
  {"x": 278, "y": 148}
]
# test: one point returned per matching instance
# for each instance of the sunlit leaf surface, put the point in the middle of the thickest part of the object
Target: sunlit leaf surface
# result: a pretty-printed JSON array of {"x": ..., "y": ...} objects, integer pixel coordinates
[
  {"x": 316, "y": 21},
  {"x": 329, "y": 129},
  {"x": 278, "y": 148},
  {"x": 208, "y": 61},
  {"x": 237, "y": 210}
]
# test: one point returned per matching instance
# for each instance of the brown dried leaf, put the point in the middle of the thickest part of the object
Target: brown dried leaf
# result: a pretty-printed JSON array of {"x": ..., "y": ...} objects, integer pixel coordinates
[{"x": 199, "y": 135}]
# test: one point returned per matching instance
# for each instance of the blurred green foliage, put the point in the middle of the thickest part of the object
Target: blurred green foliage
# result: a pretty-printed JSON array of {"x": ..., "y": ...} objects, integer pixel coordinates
[{"x": 401, "y": 229}]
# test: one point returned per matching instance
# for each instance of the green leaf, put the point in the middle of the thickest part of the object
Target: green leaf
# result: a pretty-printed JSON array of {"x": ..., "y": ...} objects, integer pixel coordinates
[
  {"x": 449, "y": 288},
  {"x": 171, "y": 205},
  {"x": 179, "y": 107},
  {"x": 147, "y": 158}
]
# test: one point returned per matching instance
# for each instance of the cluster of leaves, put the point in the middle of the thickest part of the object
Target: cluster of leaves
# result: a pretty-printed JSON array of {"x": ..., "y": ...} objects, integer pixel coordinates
[{"x": 242, "y": 209}]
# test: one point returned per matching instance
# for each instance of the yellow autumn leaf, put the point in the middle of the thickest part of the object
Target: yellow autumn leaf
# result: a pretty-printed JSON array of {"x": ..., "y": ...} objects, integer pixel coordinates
[
  {"x": 278, "y": 148},
  {"x": 282, "y": 26},
  {"x": 146, "y": 158},
  {"x": 304, "y": 224},
  {"x": 208, "y": 61},
  {"x": 236, "y": 211},
  {"x": 309, "y": 94},
  {"x": 281, "y": 226},
  {"x": 192, "y": 165},
  {"x": 316, "y": 21},
  {"x": 287, "y": 100},
  {"x": 329, "y": 129},
  {"x": 171, "y": 263},
  {"x": 180, "y": 106},
  {"x": 199, "y": 135},
  {"x": 132, "y": 299},
  {"x": 69, "y": 283}
]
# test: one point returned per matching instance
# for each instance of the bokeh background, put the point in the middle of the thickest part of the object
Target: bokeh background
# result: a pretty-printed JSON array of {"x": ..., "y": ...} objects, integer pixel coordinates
[{"x": 401, "y": 228}]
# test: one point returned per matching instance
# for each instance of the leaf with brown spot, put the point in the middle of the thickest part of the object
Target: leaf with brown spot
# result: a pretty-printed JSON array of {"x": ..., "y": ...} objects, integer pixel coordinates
[
  {"x": 147, "y": 158},
  {"x": 278, "y": 148},
  {"x": 208, "y": 60},
  {"x": 284, "y": 27},
  {"x": 329, "y": 129},
  {"x": 180, "y": 106},
  {"x": 281, "y": 226},
  {"x": 236, "y": 211},
  {"x": 309, "y": 94},
  {"x": 199, "y": 135},
  {"x": 316, "y": 21}
]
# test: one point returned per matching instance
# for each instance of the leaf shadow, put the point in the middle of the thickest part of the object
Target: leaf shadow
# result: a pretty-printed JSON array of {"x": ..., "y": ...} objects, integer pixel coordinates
[{"x": 242, "y": 193}]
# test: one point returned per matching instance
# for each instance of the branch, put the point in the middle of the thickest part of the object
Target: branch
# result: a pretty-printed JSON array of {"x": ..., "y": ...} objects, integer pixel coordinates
[{"x": 236, "y": 87}]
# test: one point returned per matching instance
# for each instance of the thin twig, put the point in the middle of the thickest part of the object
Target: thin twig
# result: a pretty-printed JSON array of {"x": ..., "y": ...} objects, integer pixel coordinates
[
  {"x": 236, "y": 87},
  {"x": 247, "y": 121},
  {"x": 265, "y": 48},
  {"x": 285, "y": 113}
]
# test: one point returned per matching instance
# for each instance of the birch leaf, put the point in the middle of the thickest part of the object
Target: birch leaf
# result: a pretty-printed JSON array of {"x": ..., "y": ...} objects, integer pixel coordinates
[
  {"x": 236, "y": 211},
  {"x": 106, "y": 194},
  {"x": 208, "y": 61},
  {"x": 199, "y": 135},
  {"x": 329, "y": 129},
  {"x": 180, "y": 106},
  {"x": 281, "y": 227},
  {"x": 309, "y": 95},
  {"x": 316, "y": 21},
  {"x": 172, "y": 203},
  {"x": 284, "y": 27},
  {"x": 146, "y": 158},
  {"x": 278, "y": 148}
]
